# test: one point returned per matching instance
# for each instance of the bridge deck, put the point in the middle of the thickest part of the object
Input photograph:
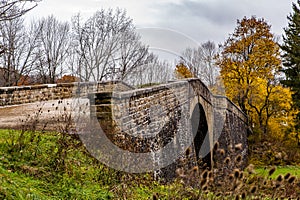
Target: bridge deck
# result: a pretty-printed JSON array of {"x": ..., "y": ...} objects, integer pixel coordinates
[{"x": 23, "y": 114}]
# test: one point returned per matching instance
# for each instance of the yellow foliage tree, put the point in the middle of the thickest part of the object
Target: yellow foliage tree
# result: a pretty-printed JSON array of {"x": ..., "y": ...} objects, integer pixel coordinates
[
  {"x": 182, "y": 71},
  {"x": 270, "y": 108},
  {"x": 249, "y": 62}
]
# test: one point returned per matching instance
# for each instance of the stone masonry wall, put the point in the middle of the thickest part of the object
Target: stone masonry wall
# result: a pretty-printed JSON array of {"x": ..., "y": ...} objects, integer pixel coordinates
[
  {"x": 35, "y": 93},
  {"x": 148, "y": 119},
  {"x": 229, "y": 126},
  {"x": 232, "y": 136},
  {"x": 144, "y": 120}
]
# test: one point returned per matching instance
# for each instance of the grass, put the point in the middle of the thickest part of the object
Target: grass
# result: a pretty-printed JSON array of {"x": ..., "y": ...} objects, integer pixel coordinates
[
  {"x": 19, "y": 186},
  {"x": 15, "y": 185},
  {"x": 280, "y": 170},
  {"x": 51, "y": 165},
  {"x": 33, "y": 173}
]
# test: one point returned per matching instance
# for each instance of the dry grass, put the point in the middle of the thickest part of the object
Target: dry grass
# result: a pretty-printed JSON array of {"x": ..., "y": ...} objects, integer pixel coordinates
[{"x": 240, "y": 184}]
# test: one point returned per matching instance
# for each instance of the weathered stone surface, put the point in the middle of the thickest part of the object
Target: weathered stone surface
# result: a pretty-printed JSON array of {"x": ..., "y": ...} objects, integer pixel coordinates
[
  {"x": 30, "y": 94},
  {"x": 146, "y": 120}
]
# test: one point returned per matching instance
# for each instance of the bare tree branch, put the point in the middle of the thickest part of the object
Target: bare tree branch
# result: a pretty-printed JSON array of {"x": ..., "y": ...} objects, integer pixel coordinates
[
  {"x": 18, "y": 56},
  {"x": 52, "y": 49},
  {"x": 106, "y": 46},
  {"x": 8, "y": 9},
  {"x": 201, "y": 62}
]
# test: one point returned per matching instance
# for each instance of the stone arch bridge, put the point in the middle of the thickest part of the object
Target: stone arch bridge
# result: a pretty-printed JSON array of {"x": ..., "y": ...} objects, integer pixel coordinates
[{"x": 182, "y": 114}]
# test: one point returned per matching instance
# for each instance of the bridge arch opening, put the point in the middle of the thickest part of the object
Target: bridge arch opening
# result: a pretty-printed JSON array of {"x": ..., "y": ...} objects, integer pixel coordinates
[{"x": 201, "y": 139}]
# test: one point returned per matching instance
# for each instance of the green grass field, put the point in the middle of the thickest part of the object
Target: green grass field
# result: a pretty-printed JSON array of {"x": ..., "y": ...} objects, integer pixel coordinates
[
  {"x": 280, "y": 170},
  {"x": 34, "y": 171},
  {"x": 49, "y": 165}
]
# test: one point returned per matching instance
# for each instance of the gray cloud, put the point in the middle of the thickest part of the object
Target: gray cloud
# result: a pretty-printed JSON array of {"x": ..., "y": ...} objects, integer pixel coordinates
[
  {"x": 200, "y": 19},
  {"x": 215, "y": 12},
  {"x": 216, "y": 19}
]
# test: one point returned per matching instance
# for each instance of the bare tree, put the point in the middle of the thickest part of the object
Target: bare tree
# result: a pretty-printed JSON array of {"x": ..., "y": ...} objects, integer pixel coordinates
[
  {"x": 155, "y": 71},
  {"x": 53, "y": 43},
  {"x": 12, "y": 9},
  {"x": 201, "y": 62},
  {"x": 106, "y": 46},
  {"x": 18, "y": 56},
  {"x": 132, "y": 54}
]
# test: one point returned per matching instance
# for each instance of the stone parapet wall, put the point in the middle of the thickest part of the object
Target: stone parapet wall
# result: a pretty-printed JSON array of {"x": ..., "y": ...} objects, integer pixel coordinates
[
  {"x": 222, "y": 102},
  {"x": 45, "y": 92},
  {"x": 145, "y": 120},
  {"x": 201, "y": 89},
  {"x": 149, "y": 111},
  {"x": 232, "y": 135},
  {"x": 230, "y": 125}
]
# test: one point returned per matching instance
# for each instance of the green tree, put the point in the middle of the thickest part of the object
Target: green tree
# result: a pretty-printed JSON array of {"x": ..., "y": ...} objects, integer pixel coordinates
[{"x": 291, "y": 56}]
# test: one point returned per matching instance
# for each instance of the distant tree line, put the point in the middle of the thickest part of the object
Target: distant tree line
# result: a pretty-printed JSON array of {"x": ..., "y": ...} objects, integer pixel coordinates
[
  {"x": 105, "y": 46},
  {"x": 259, "y": 75}
]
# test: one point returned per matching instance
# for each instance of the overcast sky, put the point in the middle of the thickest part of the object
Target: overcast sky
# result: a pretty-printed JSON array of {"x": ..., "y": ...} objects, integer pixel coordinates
[{"x": 175, "y": 24}]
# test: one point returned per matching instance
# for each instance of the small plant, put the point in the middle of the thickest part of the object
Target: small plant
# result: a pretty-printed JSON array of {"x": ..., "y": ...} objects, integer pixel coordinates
[
  {"x": 236, "y": 183},
  {"x": 46, "y": 159}
]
